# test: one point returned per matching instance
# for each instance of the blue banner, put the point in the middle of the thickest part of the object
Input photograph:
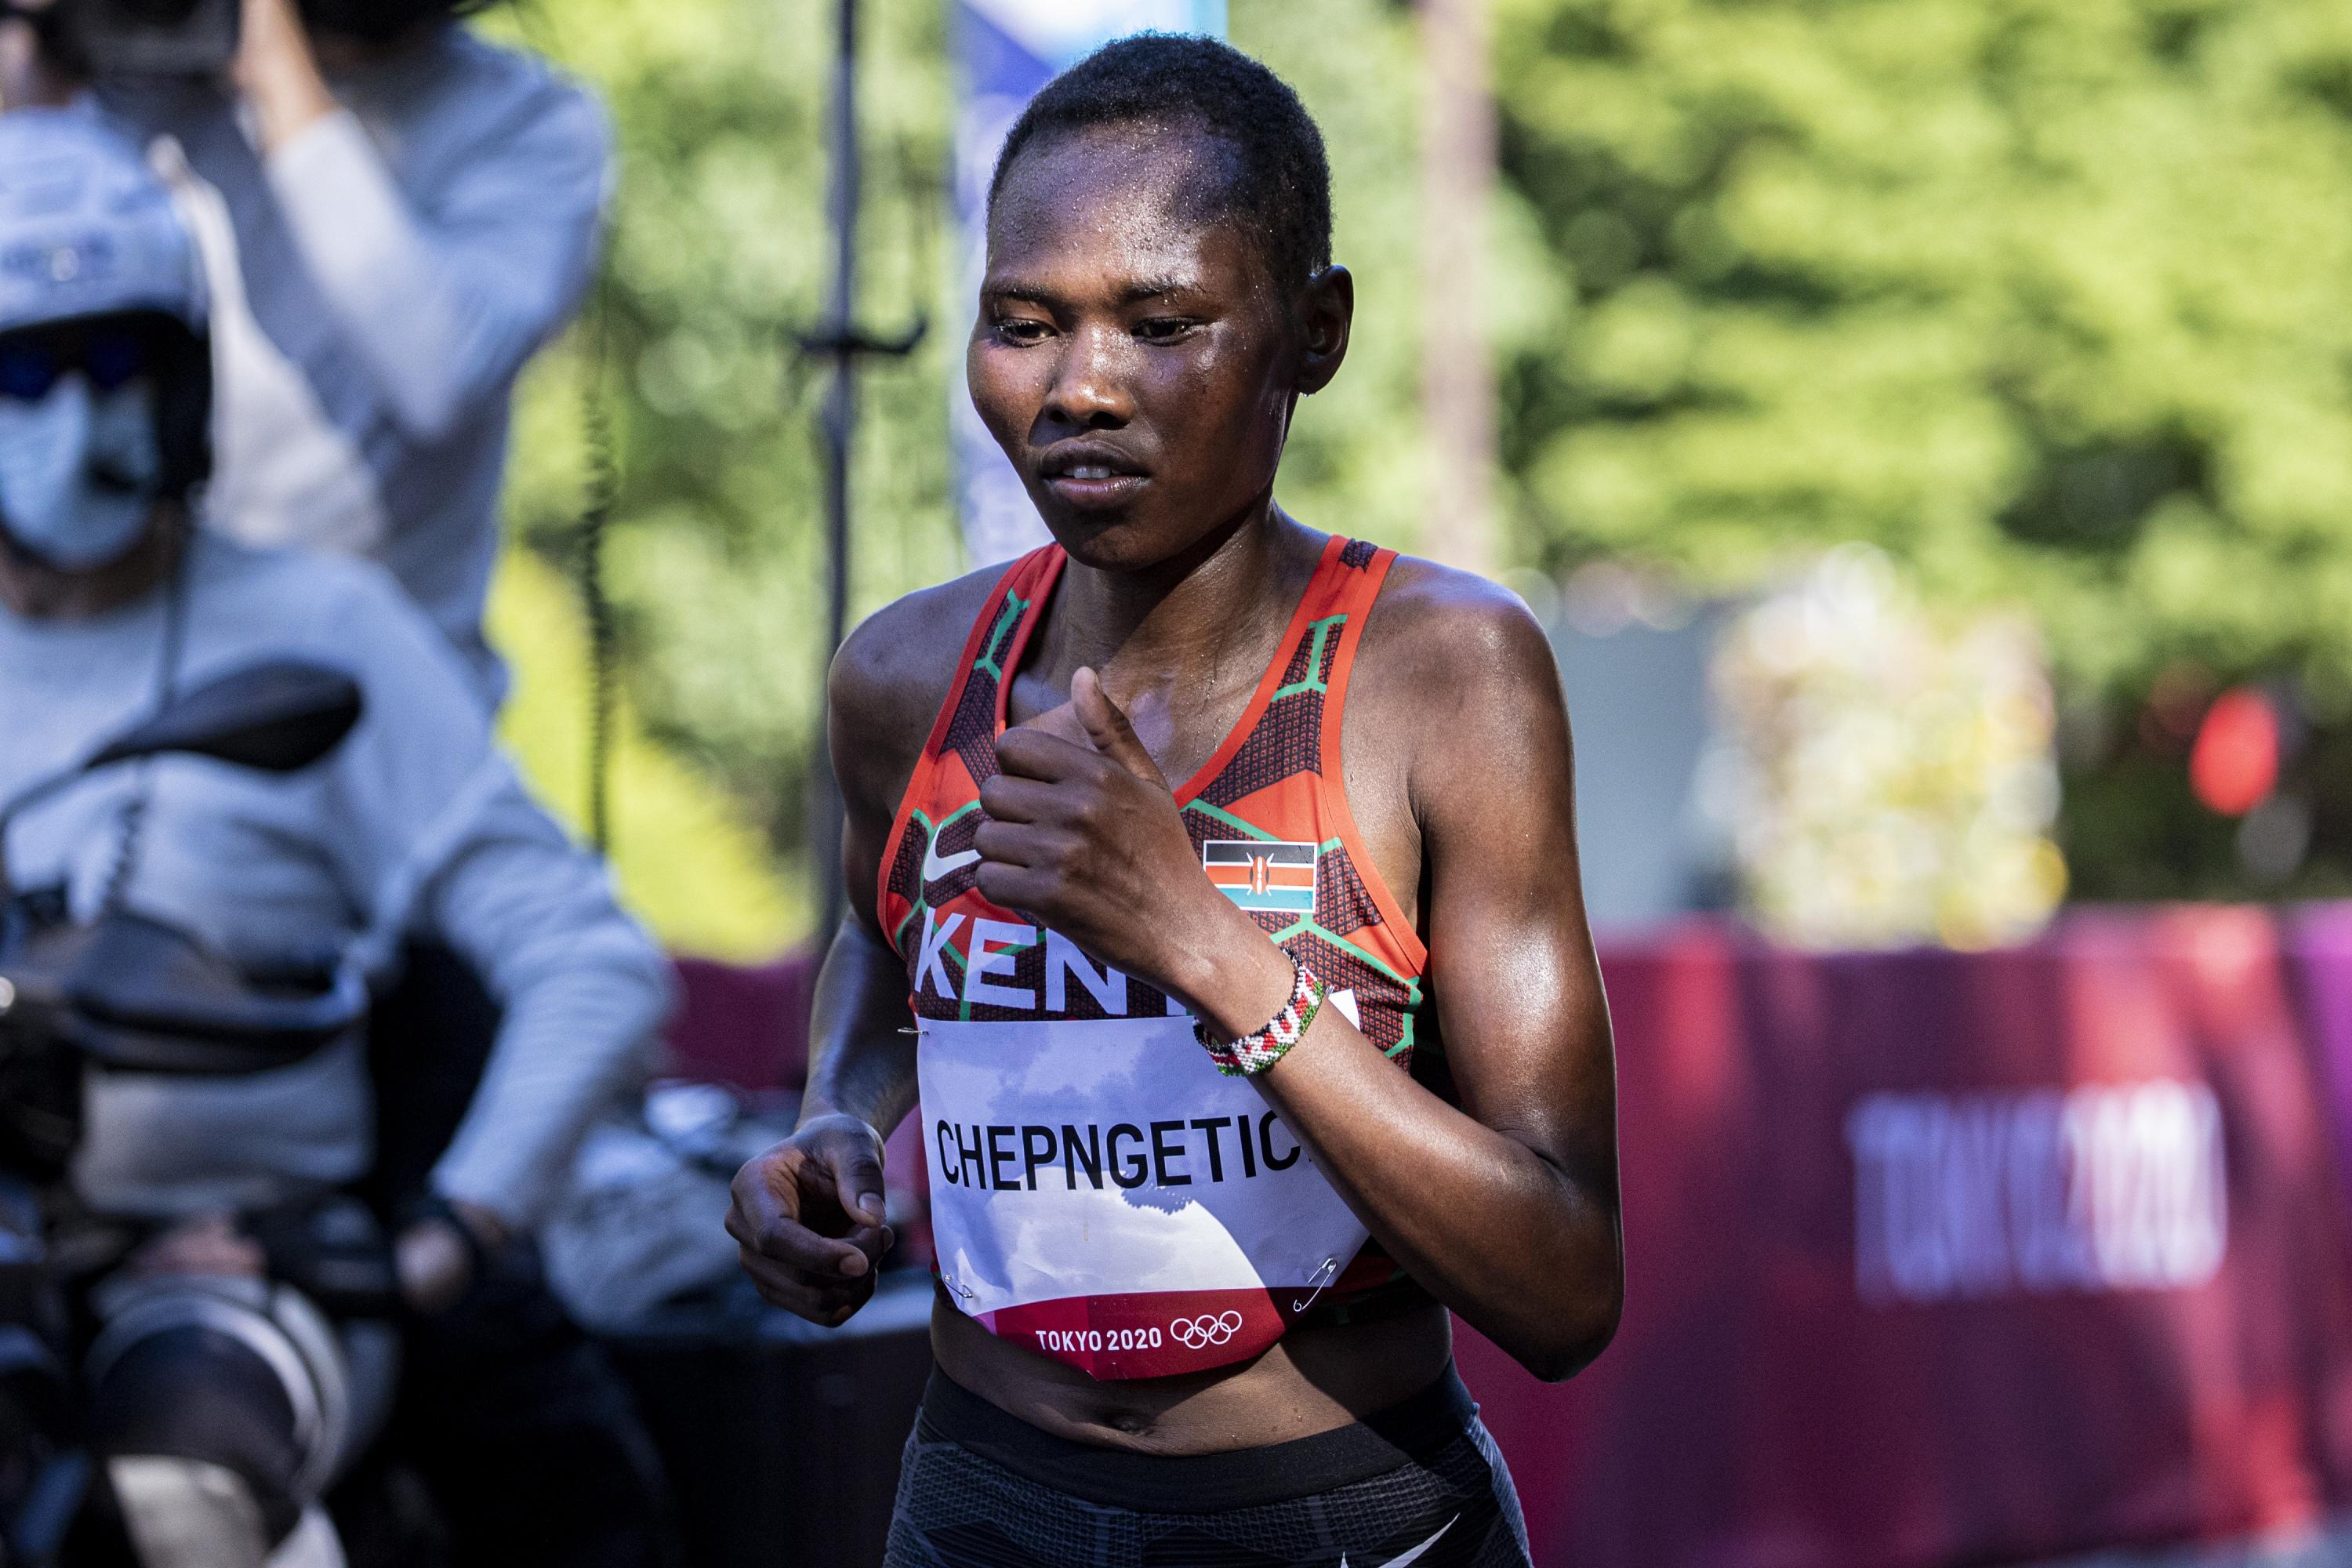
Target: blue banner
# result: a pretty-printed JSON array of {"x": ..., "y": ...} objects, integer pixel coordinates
[{"x": 1006, "y": 50}]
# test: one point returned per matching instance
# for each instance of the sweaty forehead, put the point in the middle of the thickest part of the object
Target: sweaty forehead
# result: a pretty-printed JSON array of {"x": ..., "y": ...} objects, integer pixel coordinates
[{"x": 1115, "y": 203}]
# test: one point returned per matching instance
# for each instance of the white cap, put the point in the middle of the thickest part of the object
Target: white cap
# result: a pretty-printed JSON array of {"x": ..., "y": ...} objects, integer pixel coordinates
[{"x": 86, "y": 228}]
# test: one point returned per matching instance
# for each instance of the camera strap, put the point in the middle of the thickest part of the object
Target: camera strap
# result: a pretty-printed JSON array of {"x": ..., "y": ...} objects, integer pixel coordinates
[{"x": 130, "y": 826}]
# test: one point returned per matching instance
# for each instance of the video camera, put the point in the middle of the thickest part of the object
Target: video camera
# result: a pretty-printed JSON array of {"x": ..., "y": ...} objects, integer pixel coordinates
[
  {"x": 131, "y": 993},
  {"x": 198, "y": 38},
  {"x": 134, "y": 995}
]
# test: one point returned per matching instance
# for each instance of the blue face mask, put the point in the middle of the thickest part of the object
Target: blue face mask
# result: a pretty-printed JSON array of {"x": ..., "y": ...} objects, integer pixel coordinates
[{"x": 80, "y": 471}]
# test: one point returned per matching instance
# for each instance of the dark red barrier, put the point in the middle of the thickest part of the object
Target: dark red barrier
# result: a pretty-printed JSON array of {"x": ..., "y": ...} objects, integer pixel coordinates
[
  {"x": 2319, "y": 951},
  {"x": 742, "y": 1025},
  {"x": 1941, "y": 1258},
  {"x": 1945, "y": 1258}
]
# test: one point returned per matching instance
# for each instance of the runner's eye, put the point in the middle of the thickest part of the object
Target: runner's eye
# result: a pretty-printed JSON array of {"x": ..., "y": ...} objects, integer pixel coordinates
[
  {"x": 1021, "y": 329},
  {"x": 1164, "y": 328}
]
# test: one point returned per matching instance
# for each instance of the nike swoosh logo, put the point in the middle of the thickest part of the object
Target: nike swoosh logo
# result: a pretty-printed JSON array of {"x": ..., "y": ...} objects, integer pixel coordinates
[
  {"x": 935, "y": 866},
  {"x": 1413, "y": 1555}
]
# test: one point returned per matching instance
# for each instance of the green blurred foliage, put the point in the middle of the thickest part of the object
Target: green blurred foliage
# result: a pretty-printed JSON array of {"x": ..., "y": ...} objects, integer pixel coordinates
[
  {"x": 687, "y": 863},
  {"x": 1356, "y": 462},
  {"x": 2051, "y": 299},
  {"x": 721, "y": 252},
  {"x": 719, "y": 256}
]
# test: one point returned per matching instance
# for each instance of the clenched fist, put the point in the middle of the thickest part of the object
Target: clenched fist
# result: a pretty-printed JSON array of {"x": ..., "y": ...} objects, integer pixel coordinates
[{"x": 808, "y": 1216}]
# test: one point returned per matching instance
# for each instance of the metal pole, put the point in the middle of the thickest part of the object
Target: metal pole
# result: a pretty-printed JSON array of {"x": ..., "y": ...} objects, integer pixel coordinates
[
  {"x": 1457, "y": 174},
  {"x": 840, "y": 425},
  {"x": 840, "y": 342}
]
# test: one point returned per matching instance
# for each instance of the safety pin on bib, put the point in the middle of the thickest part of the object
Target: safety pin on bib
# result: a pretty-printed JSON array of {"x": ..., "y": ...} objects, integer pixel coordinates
[{"x": 1319, "y": 1278}]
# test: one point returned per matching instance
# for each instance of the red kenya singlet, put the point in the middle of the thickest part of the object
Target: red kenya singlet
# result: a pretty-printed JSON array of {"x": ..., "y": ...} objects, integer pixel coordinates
[{"x": 1100, "y": 1192}]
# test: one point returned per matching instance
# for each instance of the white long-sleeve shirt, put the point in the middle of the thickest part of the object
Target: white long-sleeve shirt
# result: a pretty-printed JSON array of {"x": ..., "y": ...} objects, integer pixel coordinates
[
  {"x": 378, "y": 283},
  {"x": 416, "y": 821}
]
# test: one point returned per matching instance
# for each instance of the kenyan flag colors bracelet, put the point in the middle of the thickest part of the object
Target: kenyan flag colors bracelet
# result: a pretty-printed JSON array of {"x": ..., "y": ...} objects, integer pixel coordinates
[{"x": 1256, "y": 1052}]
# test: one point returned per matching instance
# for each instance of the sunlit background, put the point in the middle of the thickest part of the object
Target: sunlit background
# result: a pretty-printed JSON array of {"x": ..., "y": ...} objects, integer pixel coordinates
[
  {"x": 1963, "y": 387},
  {"x": 1924, "y": 429}
]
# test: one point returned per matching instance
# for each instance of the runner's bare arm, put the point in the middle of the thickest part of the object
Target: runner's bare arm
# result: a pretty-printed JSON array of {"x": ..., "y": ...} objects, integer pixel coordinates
[
  {"x": 1506, "y": 1209},
  {"x": 861, "y": 1059},
  {"x": 807, "y": 1213}
]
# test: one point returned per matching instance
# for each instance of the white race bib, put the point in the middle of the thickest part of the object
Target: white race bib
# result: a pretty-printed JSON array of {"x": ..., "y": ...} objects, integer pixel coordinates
[{"x": 1101, "y": 1194}]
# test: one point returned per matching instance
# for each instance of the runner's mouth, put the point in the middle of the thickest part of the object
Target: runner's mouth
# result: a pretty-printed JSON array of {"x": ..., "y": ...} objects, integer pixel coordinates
[{"x": 1089, "y": 477}]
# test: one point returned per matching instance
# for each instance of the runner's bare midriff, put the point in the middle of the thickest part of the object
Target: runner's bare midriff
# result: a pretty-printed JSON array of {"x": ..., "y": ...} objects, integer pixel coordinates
[{"x": 1314, "y": 1379}]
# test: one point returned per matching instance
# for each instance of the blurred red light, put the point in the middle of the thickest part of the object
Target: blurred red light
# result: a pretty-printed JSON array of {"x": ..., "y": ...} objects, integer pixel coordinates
[{"x": 2234, "y": 765}]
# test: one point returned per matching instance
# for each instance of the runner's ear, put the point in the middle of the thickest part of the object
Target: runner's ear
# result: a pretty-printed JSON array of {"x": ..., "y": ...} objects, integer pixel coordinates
[
  {"x": 1107, "y": 727},
  {"x": 1327, "y": 310}
]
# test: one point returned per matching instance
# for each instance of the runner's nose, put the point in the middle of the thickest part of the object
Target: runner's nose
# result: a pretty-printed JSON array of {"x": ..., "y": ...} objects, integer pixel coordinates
[{"x": 1090, "y": 390}]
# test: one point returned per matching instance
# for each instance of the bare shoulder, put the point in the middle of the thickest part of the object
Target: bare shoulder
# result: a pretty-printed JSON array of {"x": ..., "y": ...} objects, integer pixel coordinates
[
  {"x": 1458, "y": 678},
  {"x": 891, "y": 676},
  {"x": 1455, "y": 740},
  {"x": 902, "y": 658},
  {"x": 1457, "y": 636}
]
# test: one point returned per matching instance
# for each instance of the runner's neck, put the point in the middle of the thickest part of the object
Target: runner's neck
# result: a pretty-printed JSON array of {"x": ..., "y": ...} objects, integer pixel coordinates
[{"x": 1184, "y": 625}]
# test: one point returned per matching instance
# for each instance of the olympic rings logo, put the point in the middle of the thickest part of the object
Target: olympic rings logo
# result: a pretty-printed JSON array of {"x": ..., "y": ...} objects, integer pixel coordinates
[{"x": 1208, "y": 1328}]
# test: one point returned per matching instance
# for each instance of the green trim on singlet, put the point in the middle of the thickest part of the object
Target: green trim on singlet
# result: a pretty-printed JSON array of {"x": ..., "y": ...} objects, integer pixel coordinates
[
  {"x": 955, "y": 960},
  {"x": 1412, "y": 1011},
  {"x": 916, "y": 905},
  {"x": 958, "y": 814},
  {"x": 963, "y": 1004},
  {"x": 1229, "y": 820},
  {"x": 1323, "y": 630},
  {"x": 947, "y": 951},
  {"x": 1014, "y": 608},
  {"x": 931, "y": 831},
  {"x": 1308, "y": 928},
  {"x": 1412, "y": 983},
  {"x": 1319, "y": 638},
  {"x": 1412, "y": 997}
]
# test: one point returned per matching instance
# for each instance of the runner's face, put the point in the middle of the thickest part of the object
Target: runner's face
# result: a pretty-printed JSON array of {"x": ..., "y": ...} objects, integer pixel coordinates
[{"x": 1133, "y": 356}]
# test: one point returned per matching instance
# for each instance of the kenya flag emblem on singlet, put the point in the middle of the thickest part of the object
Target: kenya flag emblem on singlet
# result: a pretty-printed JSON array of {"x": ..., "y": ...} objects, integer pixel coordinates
[{"x": 1257, "y": 875}]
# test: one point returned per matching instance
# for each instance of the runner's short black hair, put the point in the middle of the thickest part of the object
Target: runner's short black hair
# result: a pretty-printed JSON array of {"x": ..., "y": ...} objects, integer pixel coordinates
[{"x": 1280, "y": 183}]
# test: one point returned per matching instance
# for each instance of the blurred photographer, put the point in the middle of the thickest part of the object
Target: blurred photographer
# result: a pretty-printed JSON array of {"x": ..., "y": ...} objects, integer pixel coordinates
[
  {"x": 228, "y": 1385},
  {"x": 395, "y": 214}
]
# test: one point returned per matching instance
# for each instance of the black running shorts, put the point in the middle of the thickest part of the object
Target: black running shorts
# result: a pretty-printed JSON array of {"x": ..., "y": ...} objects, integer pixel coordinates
[{"x": 1420, "y": 1484}]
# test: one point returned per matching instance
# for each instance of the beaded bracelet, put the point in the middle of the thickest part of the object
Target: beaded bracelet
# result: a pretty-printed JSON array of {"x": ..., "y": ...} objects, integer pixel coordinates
[{"x": 1255, "y": 1052}]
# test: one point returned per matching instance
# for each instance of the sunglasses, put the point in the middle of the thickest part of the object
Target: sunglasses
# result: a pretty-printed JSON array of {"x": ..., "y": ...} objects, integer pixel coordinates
[{"x": 110, "y": 354}]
